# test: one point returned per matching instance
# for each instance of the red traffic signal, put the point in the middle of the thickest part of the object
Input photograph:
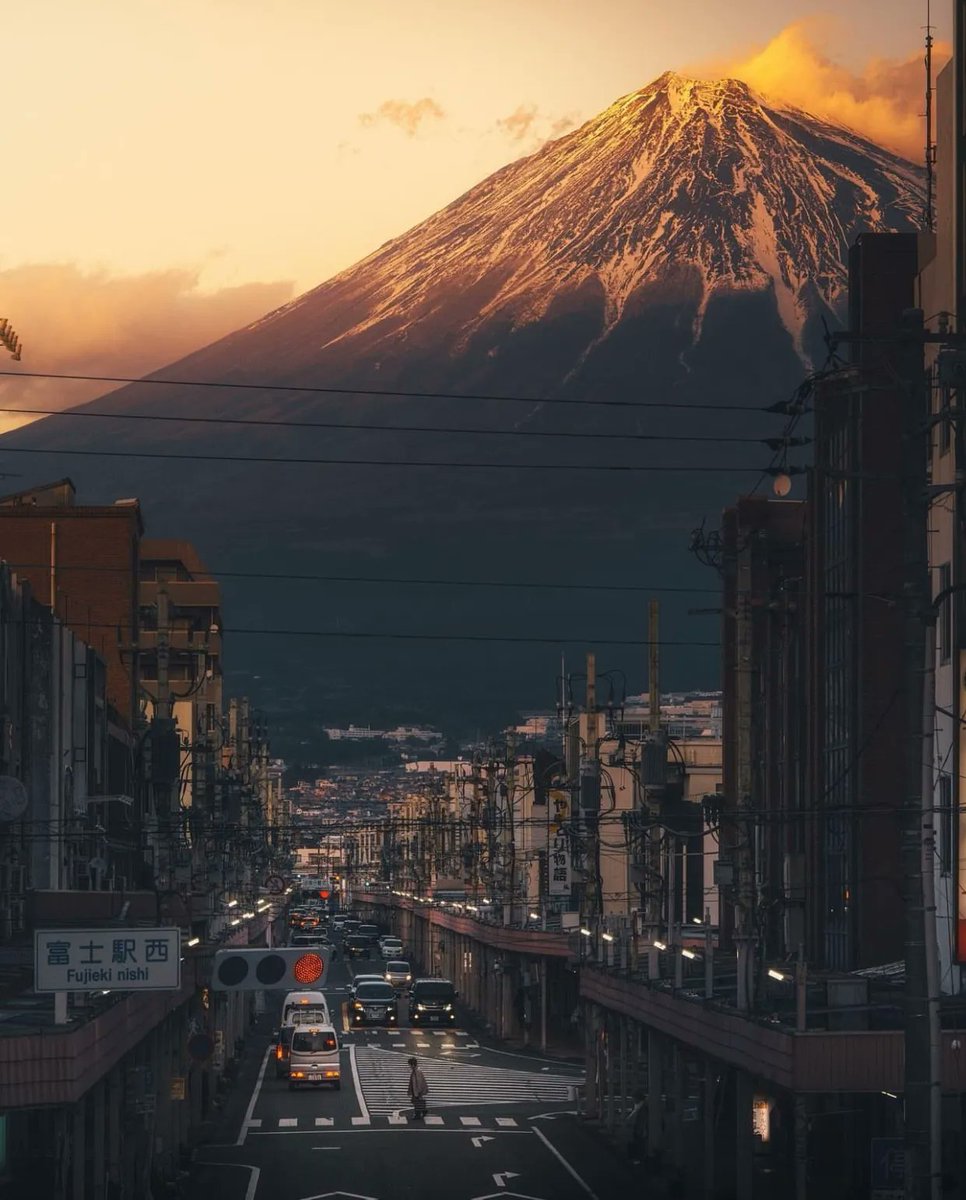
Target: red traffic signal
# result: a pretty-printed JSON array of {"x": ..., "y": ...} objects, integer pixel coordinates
[
  {"x": 324, "y": 894},
  {"x": 268, "y": 970}
]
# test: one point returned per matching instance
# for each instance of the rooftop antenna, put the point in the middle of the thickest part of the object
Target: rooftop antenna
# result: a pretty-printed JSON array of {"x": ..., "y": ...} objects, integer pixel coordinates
[{"x": 929, "y": 215}]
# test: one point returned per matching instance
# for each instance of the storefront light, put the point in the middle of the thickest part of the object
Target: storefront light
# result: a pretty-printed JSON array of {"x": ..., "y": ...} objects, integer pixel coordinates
[
  {"x": 686, "y": 953},
  {"x": 659, "y": 945},
  {"x": 608, "y": 937}
]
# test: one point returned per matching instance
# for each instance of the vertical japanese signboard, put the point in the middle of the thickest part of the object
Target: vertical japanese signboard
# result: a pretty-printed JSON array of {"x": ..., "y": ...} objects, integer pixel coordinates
[
  {"x": 125, "y": 960},
  {"x": 558, "y": 846}
]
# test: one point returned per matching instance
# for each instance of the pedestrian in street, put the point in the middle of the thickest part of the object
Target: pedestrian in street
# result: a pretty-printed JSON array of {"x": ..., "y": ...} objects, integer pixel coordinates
[{"x": 417, "y": 1089}]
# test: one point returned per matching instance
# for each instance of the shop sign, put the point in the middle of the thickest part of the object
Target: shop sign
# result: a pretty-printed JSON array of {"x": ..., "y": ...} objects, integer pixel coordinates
[{"x": 177, "y": 1087}]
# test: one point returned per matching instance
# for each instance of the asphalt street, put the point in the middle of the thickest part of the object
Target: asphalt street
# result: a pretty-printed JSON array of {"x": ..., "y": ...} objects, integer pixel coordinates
[{"x": 499, "y": 1123}]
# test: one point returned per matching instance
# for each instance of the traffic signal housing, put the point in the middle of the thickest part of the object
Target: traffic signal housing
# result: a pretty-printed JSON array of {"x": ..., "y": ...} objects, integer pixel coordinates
[{"x": 299, "y": 970}]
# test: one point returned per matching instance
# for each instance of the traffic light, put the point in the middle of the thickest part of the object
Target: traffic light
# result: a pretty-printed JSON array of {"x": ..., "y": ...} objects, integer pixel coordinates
[
  {"x": 269, "y": 970},
  {"x": 324, "y": 894}
]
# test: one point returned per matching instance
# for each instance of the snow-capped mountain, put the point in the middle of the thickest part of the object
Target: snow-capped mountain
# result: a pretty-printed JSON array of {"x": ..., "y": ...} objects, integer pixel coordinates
[
  {"x": 680, "y": 248},
  {"x": 690, "y": 181}
]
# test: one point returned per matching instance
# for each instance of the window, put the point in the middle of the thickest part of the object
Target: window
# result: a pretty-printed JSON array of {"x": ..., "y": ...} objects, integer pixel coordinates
[
  {"x": 944, "y": 824},
  {"x": 945, "y": 630}
]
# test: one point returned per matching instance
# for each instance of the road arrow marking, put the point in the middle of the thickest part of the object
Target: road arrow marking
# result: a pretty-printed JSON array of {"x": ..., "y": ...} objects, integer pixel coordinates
[
  {"x": 478, "y": 1141},
  {"x": 501, "y": 1177}
]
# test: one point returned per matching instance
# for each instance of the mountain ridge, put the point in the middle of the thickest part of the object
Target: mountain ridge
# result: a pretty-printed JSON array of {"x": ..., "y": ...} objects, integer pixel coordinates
[{"x": 685, "y": 246}]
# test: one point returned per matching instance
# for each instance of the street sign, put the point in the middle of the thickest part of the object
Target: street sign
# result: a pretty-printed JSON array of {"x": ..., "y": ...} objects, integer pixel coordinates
[
  {"x": 115, "y": 959},
  {"x": 888, "y": 1163},
  {"x": 177, "y": 1087},
  {"x": 269, "y": 970},
  {"x": 275, "y": 885}
]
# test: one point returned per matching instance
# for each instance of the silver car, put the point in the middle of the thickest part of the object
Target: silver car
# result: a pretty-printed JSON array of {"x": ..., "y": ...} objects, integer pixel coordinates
[{"x": 398, "y": 973}]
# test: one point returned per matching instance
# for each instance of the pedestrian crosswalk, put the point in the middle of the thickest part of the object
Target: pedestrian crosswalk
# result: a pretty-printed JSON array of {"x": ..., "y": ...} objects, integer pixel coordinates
[
  {"x": 401, "y": 1116},
  {"x": 384, "y": 1078}
]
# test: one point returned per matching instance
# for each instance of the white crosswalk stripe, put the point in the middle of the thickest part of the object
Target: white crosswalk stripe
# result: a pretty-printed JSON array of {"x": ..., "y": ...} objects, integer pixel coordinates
[
  {"x": 396, "y": 1117},
  {"x": 384, "y": 1076}
]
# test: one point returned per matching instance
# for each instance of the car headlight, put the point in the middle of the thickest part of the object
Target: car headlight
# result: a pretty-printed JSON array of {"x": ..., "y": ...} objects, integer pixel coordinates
[
  {"x": 356, "y": 1004},
  {"x": 447, "y": 1007},
  {"x": 420, "y": 1007}
]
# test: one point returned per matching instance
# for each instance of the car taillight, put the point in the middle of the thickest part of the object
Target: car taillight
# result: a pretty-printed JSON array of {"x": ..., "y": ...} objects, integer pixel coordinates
[{"x": 279, "y": 1052}]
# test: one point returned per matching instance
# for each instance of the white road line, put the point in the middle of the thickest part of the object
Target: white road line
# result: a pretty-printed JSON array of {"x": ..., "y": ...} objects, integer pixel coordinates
[
  {"x": 320, "y": 1121},
  {"x": 433, "y": 1120},
  {"x": 361, "y": 1121},
  {"x": 506, "y": 1122},
  {"x": 240, "y": 1141},
  {"x": 474, "y": 1121},
  {"x": 288, "y": 1122},
  {"x": 397, "y": 1119},
  {"x": 255, "y": 1122},
  {"x": 422, "y": 1045},
  {"x": 361, "y": 1100},
  {"x": 563, "y": 1162},
  {"x": 399, "y": 1045}
]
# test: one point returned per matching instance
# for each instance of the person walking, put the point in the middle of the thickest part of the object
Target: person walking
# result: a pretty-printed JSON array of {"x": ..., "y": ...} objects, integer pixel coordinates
[{"x": 417, "y": 1089}]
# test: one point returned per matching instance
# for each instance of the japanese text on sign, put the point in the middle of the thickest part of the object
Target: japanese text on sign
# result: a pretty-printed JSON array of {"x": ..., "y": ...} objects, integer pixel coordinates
[{"x": 74, "y": 960}]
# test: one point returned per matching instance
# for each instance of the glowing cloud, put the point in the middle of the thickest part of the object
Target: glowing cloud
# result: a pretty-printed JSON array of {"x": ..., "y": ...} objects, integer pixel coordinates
[
  {"x": 883, "y": 102},
  {"x": 519, "y": 123},
  {"x": 527, "y": 122},
  {"x": 99, "y": 324},
  {"x": 404, "y": 115}
]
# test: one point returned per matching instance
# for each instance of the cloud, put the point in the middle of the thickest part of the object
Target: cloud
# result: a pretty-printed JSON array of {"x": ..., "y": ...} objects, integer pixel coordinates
[
  {"x": 77, "y": 323},
  {"x": 519, "y": 123},
  {"x": 527, "y": 122},
  {"x": 406, "y": 116},
  {"x": 883, "y": 101}
]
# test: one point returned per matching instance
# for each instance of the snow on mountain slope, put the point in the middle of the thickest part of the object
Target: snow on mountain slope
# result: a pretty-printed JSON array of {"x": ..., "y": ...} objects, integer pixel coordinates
[{"x": 682, "y": 174}]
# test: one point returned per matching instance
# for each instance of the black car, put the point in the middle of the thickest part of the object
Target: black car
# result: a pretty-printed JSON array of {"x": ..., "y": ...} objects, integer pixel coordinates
[
  {"x": 432, "y": 1002},
  {"x": 369, "y": 931},
  {"x": 356, "y": 946},
  {"x": 374, "y": 1002}
]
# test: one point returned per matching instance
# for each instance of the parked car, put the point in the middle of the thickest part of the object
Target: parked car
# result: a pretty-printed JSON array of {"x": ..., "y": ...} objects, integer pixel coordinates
[
  {"x": 374, "y": 1002},
  {"x": 356, "y": 946},
  {"x": 314, "y": 1056},
  {"x": 398, "y": 973},
  {"x": 432, "y": 1002}
]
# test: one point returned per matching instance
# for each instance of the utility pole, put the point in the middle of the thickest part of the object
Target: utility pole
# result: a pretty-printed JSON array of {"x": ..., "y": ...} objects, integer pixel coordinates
[
  {"x": 590, "y": 794},
  {"x": 744, "y": 848},
  {"x": 917, "y": 632},
  {"x": 654, "y": 775}
]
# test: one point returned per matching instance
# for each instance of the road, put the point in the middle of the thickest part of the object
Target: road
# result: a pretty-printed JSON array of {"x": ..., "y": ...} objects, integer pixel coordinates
[{"x": 499, "y": 1124}]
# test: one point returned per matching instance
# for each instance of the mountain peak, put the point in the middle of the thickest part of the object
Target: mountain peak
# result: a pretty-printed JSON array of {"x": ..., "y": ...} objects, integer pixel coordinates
[{"x": 687, "y": 179}]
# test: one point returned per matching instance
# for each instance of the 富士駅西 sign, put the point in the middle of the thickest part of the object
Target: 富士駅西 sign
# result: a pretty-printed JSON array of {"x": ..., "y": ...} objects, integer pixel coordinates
[{"x": 79, "y": 960}]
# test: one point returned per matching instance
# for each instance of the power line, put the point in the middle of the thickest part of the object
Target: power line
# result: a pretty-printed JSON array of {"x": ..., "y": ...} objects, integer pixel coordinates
[
  {"x": 379, "y": 462},
  {"x": 305, "y": 389},
  {"x": 213, "y": 575},
  {"x": 353, "y": 426},
  {"x": 387, "y": 635}
]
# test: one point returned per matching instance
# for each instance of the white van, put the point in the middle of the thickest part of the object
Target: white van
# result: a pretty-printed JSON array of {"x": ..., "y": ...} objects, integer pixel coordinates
[
  {"x": 314, "y": 1057},
  {"x": 296, "y": 1001}
]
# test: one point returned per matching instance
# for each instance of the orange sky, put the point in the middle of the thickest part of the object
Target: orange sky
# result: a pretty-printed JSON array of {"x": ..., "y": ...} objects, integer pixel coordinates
[{"x": 175, "y": 168}]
